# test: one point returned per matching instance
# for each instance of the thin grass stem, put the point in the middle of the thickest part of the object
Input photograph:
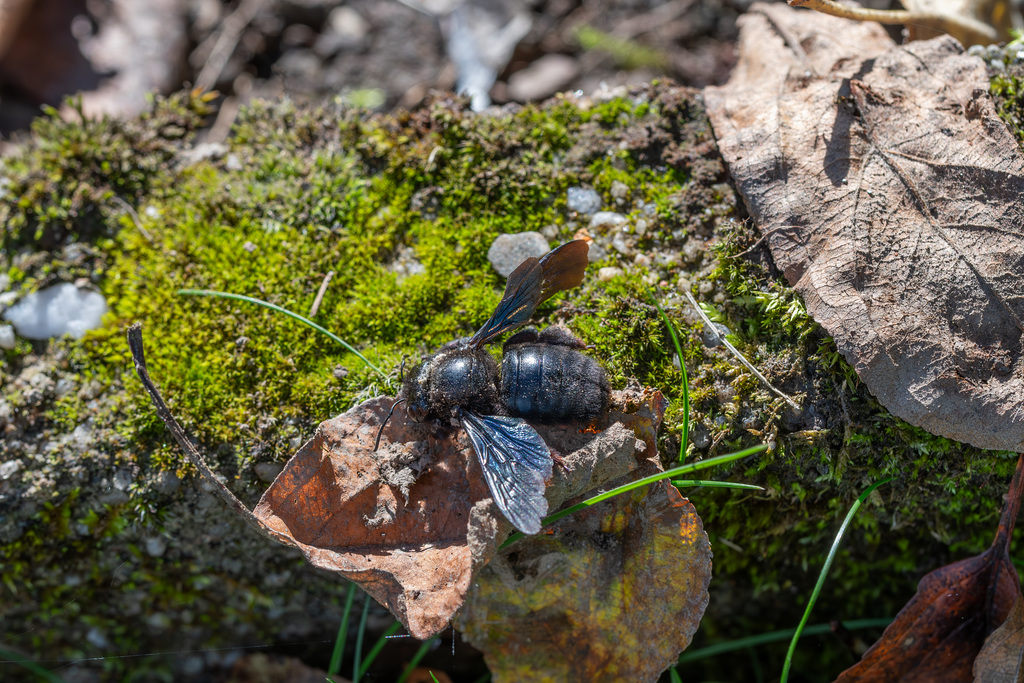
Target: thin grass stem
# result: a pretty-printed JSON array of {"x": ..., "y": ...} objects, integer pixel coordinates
[
  {"x": 280, "y": 309},
  {"x": 378, "y": 646},
  {"x": 824, "y": 572},
  {"x": 339, "y": 642},
  {"x": 775, "y": 637},
  {"x": 625, "y": 488},
  {"x": 685, "y": 436},
  {"x": 357, "y": 665},
  {"x": 416, "y": 658},
  {"x": 28, "y": 664}
]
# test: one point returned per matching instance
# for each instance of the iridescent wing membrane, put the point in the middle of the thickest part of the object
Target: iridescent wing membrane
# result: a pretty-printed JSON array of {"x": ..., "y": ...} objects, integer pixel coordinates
[
  {"x": 515, "y": 461},
  {"x": 533, "y": 282}
]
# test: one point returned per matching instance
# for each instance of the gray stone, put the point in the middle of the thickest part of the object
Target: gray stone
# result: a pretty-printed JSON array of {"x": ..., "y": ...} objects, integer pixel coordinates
[
  {"x": 583, "y": 200},
  {"x": 607, "y": 220},
  {"x": 508, "y": 251},
  {"x": 542, "y": 79}
]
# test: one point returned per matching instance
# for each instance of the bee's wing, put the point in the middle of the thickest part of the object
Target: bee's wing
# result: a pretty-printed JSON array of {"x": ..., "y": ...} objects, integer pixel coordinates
[
  {"x": 563, "y": 268},
  {"x": 531, "y": 283},
  {"x": 516, "y": 462},
  {"x": 522, "y": 294}
]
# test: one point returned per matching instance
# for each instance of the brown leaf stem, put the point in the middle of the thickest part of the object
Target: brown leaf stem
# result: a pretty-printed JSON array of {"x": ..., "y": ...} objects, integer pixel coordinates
[
  {"x": 968, "y": 31},
  {"x": 1011, "y": 508},
  {"x": 193, "y": 454}
]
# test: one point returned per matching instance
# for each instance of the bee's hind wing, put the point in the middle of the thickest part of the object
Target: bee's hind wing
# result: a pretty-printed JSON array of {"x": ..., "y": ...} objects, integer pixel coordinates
[
  {"x": 563, "y": 268},
  {"x": 520, "y": 300},
  {"x": 534, "y": 281},
  {"x": 516, "y": 464}
]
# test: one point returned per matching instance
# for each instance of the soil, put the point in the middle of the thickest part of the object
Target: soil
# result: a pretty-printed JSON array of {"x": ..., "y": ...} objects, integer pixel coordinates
[{"x": 381, "y": 54}]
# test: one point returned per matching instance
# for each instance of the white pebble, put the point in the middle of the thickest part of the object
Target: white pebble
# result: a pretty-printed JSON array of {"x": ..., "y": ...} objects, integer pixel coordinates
[{"x": 56, "y": 311}]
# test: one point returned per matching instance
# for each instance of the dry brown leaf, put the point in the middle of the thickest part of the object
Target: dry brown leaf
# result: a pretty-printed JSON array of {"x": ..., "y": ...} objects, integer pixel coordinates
[
  {"x": 890, "y": 196},
  {"x": 1001, "y": 660},
  {"x": 613, "y": 593},
  {"x": 413, "y": 522},
  {"x": 938, "y": 635}
]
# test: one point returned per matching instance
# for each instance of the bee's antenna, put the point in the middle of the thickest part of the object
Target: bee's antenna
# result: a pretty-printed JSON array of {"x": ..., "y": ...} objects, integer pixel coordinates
[{"x": 381, "y": 430}]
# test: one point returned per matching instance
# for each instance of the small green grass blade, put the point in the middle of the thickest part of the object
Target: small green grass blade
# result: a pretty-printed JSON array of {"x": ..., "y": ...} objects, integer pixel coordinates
[
  {"x": 685, "y": 436},
  {"x": 774, "y": 637},
  {"x": 40, "y": 672},
  {"x": 360, "y": 634},
  {"x": 378, "y": 646},
  {"x": 824, "y": 572},
  {"x": 425, "y": 647},
  {"x": 710, "y": 483},
  {"x": 625, "y": 488},
  {"x": 279, "y": 309},
  {"x": 339, "y": 642}
]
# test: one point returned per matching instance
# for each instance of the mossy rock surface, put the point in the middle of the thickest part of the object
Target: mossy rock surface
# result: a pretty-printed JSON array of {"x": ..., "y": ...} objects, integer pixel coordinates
[{"x": 112, "y": 545}]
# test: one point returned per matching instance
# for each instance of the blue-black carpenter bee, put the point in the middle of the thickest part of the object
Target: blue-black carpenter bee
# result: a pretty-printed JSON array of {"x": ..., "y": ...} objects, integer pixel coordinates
[{"x": 544, "y": 378}]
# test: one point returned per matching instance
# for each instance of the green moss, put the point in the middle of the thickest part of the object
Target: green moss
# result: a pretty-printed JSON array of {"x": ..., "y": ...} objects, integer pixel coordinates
[
  {"x": 1008, "y": 91},
  {"x": 303, "y": 192},
  {"x": 65, "y": 186}
]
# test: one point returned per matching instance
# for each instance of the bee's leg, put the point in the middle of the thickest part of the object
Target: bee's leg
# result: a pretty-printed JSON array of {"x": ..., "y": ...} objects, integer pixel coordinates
[{"x": 557, "y": 458}]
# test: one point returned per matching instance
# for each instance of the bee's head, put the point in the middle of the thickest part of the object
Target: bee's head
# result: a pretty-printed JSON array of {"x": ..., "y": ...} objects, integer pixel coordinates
[{"x": 415, "y": 392}]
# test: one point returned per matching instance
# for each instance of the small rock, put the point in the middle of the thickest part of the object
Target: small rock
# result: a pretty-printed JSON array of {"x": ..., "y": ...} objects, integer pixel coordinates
[
  {"x": 700, "y": 436},
  {"x": 158, "y": 621},
  {"x": 268, "y": 471},
  {"x": 550, "y": 232},
  {"x": 508, "y": 251},
  {"x": 63, "y": 387},
  {"x": 167, "y": 483},
  {"x": 583, "y": 200},
  {"x": 346, "y": 21},
  {"x": 7, "y": 340},
  {"x": 542, "y": 79},
  {"x": 122, "y": 480},
  {"x": 97, "y": 639},
  {"x": 80, "y": 440},
  {"x": 621, "y": 243},
  {"x": 9, "y": 469},
  {"x": 56, "y": 311},
  {"x": 620, "y": 191},
  {"x": 608, "y": 272},
  {"x": 712, "y": 336},
  {"x": 233, "y": 163},
  {"x": 596, "y": 253},
  {"x": 640, "y": 227},
  {"x": 155, "y": 546},
  {"x": 606, "y": 220},
  {"x": 642, "y": 260},
  {"x": 204, "y": 151}
]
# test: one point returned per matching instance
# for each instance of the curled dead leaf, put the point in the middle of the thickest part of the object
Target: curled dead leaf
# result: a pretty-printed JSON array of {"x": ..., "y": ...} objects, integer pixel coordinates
[
  {"x": 939, "y": 635},
  {"x": 613, "y": 593},
  {"x": 889, "y": 193},
  {"x": 1001, "y": 660},
  {"x": 412, "y": 524}
]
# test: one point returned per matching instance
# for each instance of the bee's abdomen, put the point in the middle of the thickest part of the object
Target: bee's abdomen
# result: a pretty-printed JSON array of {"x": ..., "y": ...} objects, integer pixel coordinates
[{"x": 552, "y": 383}]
